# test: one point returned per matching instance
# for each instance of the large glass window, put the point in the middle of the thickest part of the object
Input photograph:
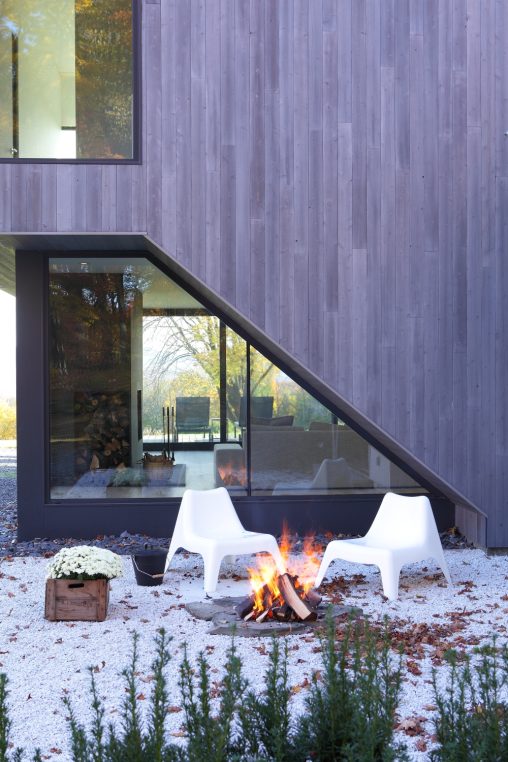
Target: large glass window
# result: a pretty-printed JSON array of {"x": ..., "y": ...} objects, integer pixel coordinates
[
  {"x": 298, "y": 447},
  {"x": 151, "y": 393},
  {"x": 66, "y": 79}
]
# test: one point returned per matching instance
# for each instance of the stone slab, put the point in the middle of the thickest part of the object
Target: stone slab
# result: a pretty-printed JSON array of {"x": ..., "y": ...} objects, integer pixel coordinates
[{"x": 220, "y": 612}]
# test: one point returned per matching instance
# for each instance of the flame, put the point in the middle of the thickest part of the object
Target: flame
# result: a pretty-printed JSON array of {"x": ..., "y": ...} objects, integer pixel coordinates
[
  {"x": 265, "y": 574},
  {"x": 310, "y": 562},
  {"x": 285, "y": 543},
  {"x": 232, "y": 474},
  {"x": 303, "y": 566}
]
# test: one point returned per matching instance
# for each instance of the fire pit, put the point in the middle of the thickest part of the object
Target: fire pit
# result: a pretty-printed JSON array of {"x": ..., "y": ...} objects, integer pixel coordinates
[
  {"x": 283, "y": 599},
  {"x": 279, "y": 603},
  {"x": 223, "y": 616}
]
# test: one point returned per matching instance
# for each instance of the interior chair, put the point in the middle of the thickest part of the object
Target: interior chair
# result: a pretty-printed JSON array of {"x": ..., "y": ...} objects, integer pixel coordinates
[
  {"x": 261, "y": 409},
  {"x": 404, "y": 531},
  {"x": 208, "y": 524},
  {"x": 192, "y": 415}
]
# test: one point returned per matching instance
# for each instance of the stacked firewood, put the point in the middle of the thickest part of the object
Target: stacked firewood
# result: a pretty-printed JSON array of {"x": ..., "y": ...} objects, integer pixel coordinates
[{"x": 284, "y": 601}]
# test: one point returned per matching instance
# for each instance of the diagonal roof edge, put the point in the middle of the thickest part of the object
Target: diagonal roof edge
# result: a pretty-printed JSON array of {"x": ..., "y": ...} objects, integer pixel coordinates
[{"x": 361, "y": 422}]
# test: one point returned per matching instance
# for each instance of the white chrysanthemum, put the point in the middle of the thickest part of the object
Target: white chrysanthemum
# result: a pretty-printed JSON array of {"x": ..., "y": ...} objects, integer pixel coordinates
[{"x": 85, "y": 562}]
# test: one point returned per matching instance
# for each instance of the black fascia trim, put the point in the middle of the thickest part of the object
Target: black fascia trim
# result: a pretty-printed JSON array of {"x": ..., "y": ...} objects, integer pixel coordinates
[
  {"x": 137, "y": 110},
  {"x": 265, "y": 513},
  {"x": 177, "y": 311},
  {"x": 229, "y": 321},
  {"x": 47, "y": 381}
]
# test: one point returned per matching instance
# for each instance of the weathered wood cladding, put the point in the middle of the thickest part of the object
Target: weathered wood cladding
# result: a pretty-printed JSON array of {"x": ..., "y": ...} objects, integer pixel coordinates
[{"x": 337, "y": 171}]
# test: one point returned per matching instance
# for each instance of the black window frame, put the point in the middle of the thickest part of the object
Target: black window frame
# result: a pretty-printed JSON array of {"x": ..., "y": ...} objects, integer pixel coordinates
[
  {"x": 40, "y": 517},
  {"x": 137, "y": 111}
]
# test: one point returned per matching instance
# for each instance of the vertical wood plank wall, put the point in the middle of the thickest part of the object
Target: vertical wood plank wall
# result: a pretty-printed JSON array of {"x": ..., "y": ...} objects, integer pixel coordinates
[{"x": 337, "y": 170}]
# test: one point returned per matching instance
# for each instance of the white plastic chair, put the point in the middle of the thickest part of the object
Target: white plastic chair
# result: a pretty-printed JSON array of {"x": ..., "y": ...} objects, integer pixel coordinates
[
  {"x": 208, "y": 524},
  {"x": 403, "y": 532}
]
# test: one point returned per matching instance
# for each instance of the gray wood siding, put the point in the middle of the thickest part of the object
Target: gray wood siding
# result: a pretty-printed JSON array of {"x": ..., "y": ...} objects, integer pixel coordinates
[{"x": 337, "y": 171}]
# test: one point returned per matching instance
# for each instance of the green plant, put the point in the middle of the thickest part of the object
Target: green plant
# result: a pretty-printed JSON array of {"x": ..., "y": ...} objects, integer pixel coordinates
[
  {"x": 350, "y": 711},
  {"x": 472, "y": 720},
  {"x": 265, "y": 720},
  {"x": 134, "y": 742},
  {"x": 5, "y": 727},
  {"x": 211, "y": 736},
  {"x": 7, "y": 420}
]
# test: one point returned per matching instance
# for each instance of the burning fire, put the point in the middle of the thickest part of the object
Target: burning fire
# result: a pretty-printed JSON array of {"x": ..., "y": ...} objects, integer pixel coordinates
[
  {"x": 233, "y": 475},
  {"x": 302, "y": 568}
]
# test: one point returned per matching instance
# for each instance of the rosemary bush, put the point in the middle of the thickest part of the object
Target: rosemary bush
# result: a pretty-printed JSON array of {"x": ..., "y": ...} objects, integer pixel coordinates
[
  {"x": 136, "y": 741},
  {"x": 211, "y": 736},
  {"x": 267, "y": 731},
  {"x": 350, "y": 713},
  {"x": 472, "y": 713},
  {"x": 5, "y": 727},
  {"x": 348, "y": 716}
]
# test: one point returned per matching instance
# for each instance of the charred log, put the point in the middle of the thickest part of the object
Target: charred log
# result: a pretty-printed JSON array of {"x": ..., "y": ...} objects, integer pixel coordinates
[{"x": 245, "y": 607}]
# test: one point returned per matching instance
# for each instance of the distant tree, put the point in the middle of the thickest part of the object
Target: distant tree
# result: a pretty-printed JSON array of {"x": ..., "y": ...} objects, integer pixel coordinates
[
  {"x": 7, "y": 420},
  {"x": 104, "y": 78},
  {"x": 193, "y": 341}
]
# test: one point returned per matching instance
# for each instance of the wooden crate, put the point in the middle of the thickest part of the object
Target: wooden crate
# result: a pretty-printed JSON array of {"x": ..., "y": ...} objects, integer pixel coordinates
[{"x": 68, "y": 599}]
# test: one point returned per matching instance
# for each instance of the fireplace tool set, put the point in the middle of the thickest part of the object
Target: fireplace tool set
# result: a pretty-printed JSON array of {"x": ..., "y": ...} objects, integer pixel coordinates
[{"x": 167, "y": 455}]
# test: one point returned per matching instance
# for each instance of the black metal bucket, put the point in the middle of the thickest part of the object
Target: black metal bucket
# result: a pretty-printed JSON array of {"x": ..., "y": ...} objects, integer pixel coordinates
[{"x": 149, "y": 566}]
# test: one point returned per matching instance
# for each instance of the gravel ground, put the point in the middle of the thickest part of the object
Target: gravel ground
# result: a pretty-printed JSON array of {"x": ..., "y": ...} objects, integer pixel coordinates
[{"x": 45, "y": 661}]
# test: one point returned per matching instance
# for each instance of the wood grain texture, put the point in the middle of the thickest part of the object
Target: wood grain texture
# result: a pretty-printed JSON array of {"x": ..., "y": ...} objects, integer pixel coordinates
[{"x": 337, "y": 171}]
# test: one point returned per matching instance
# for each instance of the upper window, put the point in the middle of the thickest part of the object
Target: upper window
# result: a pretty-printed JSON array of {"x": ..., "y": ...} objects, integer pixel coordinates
[{"x": 66, "y": 79}]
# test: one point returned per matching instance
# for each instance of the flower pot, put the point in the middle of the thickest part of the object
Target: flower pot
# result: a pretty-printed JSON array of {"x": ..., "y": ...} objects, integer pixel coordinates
[{"x": 78, "y": 600}]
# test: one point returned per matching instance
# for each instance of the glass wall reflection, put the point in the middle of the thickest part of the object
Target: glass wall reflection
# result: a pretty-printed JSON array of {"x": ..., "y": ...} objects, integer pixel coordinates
[
  {"x": 297, "y": 447},
  {"x": 151, "y": 394}
]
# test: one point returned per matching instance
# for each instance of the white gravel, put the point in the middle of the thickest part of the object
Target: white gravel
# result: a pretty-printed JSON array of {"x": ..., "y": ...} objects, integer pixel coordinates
[{"x": 45, "y": 660}]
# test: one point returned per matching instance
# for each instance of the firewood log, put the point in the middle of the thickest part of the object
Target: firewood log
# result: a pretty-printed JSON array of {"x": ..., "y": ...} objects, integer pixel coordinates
[{"x": 290, "y": 595}]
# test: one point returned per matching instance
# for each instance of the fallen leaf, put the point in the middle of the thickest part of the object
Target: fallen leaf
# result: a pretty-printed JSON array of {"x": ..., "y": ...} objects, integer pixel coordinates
[{"x": 413, "y": 667}]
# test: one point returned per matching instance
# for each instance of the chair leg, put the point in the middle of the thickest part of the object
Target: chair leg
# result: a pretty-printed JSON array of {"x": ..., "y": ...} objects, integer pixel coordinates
[
  {"x": 173, "y": 547},
  {"x": 212, "y": 564},
  {"x": 328, "y": 557},
  {"x": 390, "y": 574},
  {"x": 441, "y": 562}
]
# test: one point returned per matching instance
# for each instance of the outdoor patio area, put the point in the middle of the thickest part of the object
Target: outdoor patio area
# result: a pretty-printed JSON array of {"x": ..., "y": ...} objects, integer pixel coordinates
[{"x": 46, "y": 661}]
